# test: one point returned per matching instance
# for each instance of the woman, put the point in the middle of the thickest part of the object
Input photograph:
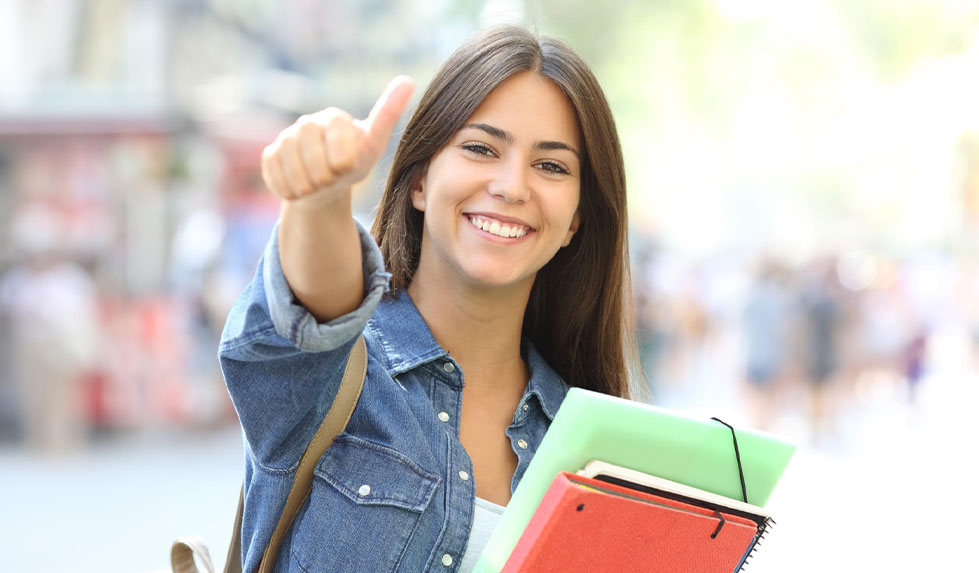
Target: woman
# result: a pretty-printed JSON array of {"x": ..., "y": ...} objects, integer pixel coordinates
[{"x": 503, "y": 228}]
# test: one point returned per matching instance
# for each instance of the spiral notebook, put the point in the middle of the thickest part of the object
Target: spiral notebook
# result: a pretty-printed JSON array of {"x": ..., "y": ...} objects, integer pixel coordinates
[
  {"x": 638, "y": 481},
  {"x": 586, "y": 524}
]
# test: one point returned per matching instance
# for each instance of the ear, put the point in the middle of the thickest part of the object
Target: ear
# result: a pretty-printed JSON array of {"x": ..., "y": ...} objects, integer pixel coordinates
[
  {"x": 575, "y": 223},
  {"x": 418, "y": 194}
]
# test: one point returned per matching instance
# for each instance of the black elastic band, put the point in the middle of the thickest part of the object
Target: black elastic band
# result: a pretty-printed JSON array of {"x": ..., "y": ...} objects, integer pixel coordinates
[
  {"x": 737, "y": 454},
  {"x": 720, "y": 524}
]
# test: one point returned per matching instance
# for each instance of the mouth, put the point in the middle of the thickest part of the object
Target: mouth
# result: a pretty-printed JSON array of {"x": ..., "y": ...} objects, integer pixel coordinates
[{"x": 498, "y": 228}]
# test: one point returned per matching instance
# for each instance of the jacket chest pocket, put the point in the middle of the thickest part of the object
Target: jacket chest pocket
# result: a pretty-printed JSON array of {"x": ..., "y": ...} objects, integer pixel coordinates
[{"x": 364, "y": 506}]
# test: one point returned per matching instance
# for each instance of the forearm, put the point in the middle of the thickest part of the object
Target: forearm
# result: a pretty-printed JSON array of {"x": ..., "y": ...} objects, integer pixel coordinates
[{"x": 321, "y": 257}]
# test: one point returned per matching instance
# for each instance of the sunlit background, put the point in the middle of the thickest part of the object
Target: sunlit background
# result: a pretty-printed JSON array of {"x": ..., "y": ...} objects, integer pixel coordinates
[{"x": 804, "y": 202}]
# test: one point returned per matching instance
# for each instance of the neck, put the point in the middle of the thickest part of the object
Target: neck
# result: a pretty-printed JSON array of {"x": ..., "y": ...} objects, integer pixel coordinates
[{"x": 479, "y": 326}]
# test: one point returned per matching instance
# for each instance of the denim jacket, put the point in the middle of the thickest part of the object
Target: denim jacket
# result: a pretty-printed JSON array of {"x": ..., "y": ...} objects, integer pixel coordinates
[{"x": 394, "y": 492}]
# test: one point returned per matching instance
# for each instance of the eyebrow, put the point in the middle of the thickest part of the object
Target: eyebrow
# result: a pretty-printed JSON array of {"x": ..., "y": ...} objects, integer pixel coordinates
[{"x": 507, "y": 137}]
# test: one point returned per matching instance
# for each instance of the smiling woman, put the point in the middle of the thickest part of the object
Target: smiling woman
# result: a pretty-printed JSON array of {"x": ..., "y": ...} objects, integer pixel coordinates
[
  {"x": 587, "y": 344},
  {"x": 503, "y": 228}
]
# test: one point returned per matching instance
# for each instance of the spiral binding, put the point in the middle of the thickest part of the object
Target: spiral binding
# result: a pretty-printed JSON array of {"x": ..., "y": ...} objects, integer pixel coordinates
[{"x": 762, "y": 532}]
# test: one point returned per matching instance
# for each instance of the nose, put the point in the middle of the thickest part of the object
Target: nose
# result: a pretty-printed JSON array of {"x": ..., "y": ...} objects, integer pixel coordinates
[{"x": 510, "y": 182}]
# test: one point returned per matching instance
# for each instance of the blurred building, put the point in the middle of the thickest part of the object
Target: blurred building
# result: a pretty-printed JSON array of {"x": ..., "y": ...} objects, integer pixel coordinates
[{"x": 136, "y": 127}]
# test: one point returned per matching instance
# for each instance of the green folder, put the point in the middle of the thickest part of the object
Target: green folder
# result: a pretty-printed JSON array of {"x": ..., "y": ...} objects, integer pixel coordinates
[{"x": 592, "y": 426}]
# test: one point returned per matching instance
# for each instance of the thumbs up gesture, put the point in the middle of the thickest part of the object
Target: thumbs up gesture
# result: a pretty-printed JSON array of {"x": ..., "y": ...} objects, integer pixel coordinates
[{"x": 323, "y": 154}]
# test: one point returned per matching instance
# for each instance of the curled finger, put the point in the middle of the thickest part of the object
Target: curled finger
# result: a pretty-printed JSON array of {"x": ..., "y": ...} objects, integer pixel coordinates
[
  {"x": 312, "y": 148},
  {"x": 272, "y": 173},
  {"x": 293, "y": 168},
  {"x": 342, "y": 145}
]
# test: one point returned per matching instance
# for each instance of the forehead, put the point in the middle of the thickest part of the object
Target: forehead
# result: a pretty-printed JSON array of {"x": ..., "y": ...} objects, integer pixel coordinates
[{"x": 532, "y": 108}]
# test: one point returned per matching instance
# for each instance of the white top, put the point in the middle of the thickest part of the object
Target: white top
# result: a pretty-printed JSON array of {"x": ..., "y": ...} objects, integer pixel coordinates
[{"x": 485, "y": 518}]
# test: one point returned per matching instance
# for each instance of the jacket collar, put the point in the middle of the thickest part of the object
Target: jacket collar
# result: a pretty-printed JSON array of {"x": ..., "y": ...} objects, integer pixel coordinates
[
  {"x": 408, "y": 343},
  {"x": 403, "y": 333},
  {"x": 549, "y": 388}
]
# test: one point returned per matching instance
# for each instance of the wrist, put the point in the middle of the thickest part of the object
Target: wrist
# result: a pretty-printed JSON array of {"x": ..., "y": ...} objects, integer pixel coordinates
[{"x": 319, "y": 206}]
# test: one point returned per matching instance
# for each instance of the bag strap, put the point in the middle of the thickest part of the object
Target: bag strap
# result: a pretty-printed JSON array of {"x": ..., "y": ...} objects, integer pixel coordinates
[
  {"x": 232, "y": 564},
  {"x": 333, "y": 424},
  {"x": 182, "y": 554}
]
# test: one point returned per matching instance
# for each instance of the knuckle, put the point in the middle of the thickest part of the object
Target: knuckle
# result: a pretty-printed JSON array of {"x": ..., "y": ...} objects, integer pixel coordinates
[
  {"x": 269, "y": 152},
  {"x": 306, "y": 126},
  {"x": 343, "y": 162},
  {"x": 289, "y": 132},
  {"x": 337, "y": 120},
  {"x": 308, "y": 132},
  {"x": 288, "y": 147},
  {"x": 288, "y": 138},
  {"x": 331, "y": 112}
]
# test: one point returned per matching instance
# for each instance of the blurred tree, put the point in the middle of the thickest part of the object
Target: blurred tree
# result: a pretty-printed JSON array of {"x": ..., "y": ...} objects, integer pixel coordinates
[{"x": 899, "y": 35}]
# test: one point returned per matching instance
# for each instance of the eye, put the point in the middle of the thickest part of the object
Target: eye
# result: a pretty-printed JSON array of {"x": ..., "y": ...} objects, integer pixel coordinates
[
  {"x": 553, "y": 167},
  {"x": 478, "y": 148}
]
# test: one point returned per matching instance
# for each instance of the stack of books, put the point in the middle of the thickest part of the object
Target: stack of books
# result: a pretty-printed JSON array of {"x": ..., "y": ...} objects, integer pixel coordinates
[{"x": 622, "y": 486}]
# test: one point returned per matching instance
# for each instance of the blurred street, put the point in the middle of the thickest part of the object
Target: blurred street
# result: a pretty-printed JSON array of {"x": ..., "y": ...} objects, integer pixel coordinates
[
  {"x": 893, "y": 492},
  {"x": 898, "y": 496},
  {"x": 118, "y": 506}
]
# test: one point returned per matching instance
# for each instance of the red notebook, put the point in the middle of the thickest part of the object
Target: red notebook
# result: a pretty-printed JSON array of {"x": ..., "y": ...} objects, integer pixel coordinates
[{"x": 583, "y": 524}]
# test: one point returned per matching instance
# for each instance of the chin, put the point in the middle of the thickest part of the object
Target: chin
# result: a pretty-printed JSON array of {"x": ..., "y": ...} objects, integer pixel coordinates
[{"x": 495, "y": 277}]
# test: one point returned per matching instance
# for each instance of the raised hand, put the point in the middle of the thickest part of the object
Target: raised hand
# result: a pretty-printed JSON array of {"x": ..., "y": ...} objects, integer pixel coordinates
[{"x": 323, "y": 154}]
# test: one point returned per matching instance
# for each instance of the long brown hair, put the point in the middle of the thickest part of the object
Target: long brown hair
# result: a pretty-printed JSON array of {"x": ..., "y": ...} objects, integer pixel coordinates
[{"x": 579, "y": 315}]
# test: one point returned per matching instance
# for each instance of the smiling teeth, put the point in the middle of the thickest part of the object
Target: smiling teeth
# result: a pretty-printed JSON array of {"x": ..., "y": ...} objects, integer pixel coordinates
[{"x": 498, "y": 229}]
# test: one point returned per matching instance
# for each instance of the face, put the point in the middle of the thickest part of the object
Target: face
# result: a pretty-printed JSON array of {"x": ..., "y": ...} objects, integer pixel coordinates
[{"x": 501, "y": 198}]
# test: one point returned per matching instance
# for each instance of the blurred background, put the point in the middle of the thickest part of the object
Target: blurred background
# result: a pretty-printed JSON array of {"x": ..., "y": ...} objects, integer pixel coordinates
[{"x": 804, "y": 196}]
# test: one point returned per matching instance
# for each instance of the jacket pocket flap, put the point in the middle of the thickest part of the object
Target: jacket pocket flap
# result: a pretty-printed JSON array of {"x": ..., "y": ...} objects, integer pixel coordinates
[{"x": 370, "y": 474}]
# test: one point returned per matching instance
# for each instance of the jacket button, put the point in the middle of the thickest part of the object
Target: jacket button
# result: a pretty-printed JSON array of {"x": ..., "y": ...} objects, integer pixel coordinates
[
  {"x": 522, "y": 444},
  {"x": 444, "y": 416},
  {"x": 449, "y": 367},
  {"x": 447, "y": 560},
  {"x": 364, "y": 490},
  {"x": 526, "y": 407},
  {"x": 464, "y": 475}
]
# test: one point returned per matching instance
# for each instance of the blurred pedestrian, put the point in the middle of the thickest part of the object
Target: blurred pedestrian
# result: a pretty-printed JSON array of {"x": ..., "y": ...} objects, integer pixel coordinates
[
  {"x": 913, "y": 362},
  {"x": 652, "y": 328},
  {"x": 823, "y": 314},
  {"x": 765, "y": 337},
  {"x": 51, "y": 305}
]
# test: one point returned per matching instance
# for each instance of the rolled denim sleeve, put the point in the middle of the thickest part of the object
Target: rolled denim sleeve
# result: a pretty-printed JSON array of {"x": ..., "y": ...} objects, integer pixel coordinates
[
  {"x": 293, "y": 322},
  {"x": 281, "y": 366}
]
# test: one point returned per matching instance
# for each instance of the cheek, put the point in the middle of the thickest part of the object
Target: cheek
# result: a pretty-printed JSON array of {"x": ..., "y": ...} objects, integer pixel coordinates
[{"x": 565, "y": 206}]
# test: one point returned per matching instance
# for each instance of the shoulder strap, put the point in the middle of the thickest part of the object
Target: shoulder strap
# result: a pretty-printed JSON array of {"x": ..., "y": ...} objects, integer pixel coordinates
[
  {"x": 333, "y": 424},
  {"x": 233, "y": 562},
  {"x": 185, "y": 549}
]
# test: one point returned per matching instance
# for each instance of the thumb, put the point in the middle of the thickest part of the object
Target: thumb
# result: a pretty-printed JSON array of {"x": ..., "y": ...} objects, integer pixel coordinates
[{"x": 387, "y": 110}]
